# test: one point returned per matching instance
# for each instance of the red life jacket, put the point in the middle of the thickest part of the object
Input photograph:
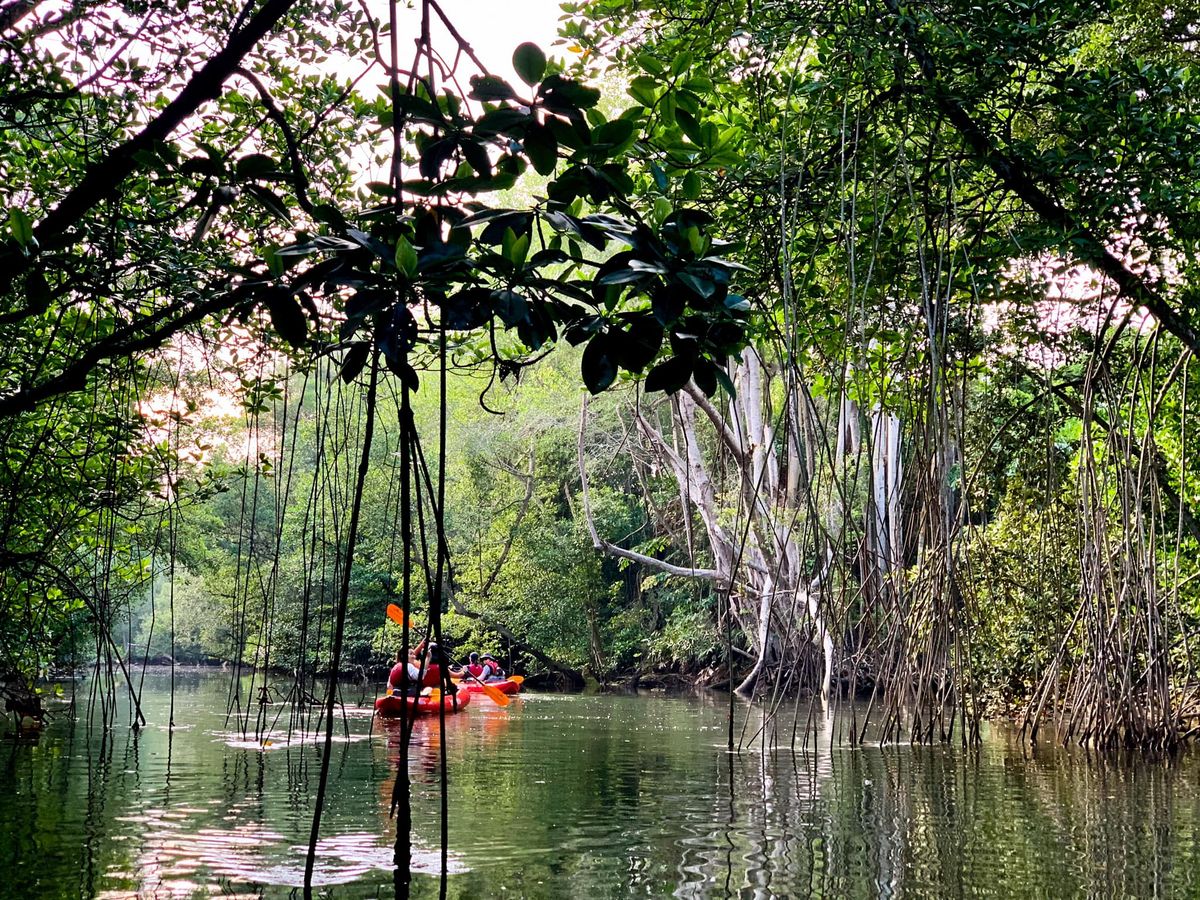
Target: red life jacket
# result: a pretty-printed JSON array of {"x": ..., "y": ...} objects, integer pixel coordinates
[
  {"x": 493, "y": 669},
  {"x": 397, "y": 677},
  {"x": 433, "y": 676},
  {"x": 475, "y": 669}
]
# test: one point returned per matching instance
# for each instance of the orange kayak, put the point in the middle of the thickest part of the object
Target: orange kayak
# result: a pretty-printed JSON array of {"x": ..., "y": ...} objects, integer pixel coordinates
[
  {"x": 389, "y": 707},
  {"x": 473, "y": 687}
]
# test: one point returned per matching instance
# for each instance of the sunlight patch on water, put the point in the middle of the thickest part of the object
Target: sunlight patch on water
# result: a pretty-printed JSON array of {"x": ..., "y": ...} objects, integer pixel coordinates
[
  {"x": 175, "y": 863},
  {"x": 281, "y": 740}
]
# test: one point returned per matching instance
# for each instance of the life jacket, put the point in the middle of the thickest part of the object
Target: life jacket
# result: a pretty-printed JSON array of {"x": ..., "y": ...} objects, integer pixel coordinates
[
  {"x": 475, "y": 669},
  {"x": 493, "y": 670},
  {"x": 397, "y": 677},
  {"x": 433, "y": 676}
]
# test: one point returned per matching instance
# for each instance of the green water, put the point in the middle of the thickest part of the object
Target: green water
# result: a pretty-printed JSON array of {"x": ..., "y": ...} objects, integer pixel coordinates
[{"x": 588, "y": 797}]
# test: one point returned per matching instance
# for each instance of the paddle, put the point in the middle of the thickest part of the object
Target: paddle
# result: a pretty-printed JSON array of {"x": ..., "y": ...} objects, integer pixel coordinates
[
  {"x": 515, "y": 679},
  {"x": 396, "y": 614},
  {"x": 496, "y": 696}
]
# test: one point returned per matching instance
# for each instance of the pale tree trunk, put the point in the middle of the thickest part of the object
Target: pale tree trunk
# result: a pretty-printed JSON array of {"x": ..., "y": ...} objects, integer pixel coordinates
[{"x": 752, "y": 517}]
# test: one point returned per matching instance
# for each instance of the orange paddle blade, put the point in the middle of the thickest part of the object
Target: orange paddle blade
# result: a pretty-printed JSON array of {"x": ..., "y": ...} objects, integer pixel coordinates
[
  {"x": 434, "y": 695},
  {"x": 498, "y": 697},
  {"x": 517, "y": 679},
  {"x": 396, "y": 614}
]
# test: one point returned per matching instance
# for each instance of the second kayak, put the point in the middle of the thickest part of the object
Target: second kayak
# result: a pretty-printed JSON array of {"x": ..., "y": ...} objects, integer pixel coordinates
[
  {"x": 390, "y": 706},
  {"x": 474, "y": 687}
]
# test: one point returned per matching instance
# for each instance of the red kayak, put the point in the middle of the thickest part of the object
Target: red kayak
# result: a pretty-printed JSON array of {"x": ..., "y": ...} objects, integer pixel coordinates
[
  {"x": 474, "y": 687},
  {"x": 389, "y": 707}
]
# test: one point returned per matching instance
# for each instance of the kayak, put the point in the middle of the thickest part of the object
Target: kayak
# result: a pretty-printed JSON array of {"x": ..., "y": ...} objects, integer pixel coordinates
[
  {"x": 389, "y": 707},
  {"x": 474, "y": 687}
]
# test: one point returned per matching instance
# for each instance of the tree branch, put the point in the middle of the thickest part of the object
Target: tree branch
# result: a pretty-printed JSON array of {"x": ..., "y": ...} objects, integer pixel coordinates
[
  {"x": 1016, "y": 176},
  {"x": 103, "y": 178},
  {"x": 121, "y": 343},
  {"x": 728, "y": 438},
  {"x": 512, "y": 534},
  {"x": 612, "y": 549}
]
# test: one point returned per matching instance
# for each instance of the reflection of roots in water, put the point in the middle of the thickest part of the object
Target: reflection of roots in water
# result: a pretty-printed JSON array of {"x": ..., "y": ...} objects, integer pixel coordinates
[{"x": 179, "y": 863}]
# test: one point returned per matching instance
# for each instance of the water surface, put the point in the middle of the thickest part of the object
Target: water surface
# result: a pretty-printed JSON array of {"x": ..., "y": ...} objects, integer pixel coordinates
[{"x": 581, "y": 796}]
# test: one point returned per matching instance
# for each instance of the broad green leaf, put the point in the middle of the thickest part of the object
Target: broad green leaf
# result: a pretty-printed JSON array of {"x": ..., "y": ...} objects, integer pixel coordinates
[
  {"x": 529, "y": 62},
  {"x": 489, "y": 87},
  {"x": 541, "y": 146},
  {"x": 406, "y": 257},
  {"x": 286, "y": 316},
  {"x": 20, "y": 226},
  {"x": 670, "y": 375},
  {"x": 598, "y": 369},
  {"x": 644, "y": 90}
]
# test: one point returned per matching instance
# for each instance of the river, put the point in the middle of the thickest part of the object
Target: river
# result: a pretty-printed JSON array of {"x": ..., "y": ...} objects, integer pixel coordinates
[{"x": 587, "y": 796}]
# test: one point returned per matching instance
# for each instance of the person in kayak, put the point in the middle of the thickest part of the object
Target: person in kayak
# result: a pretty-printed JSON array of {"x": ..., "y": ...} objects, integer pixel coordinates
[
  {"x": 491, "y": 670},
  {"x": 410, "y": 677},
  {"x": 473, "y": 667},
  {"x": 403, "y": 677}
]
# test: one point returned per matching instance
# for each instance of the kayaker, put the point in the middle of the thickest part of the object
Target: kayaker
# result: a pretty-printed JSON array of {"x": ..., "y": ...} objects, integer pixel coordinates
[
  {"x": 434, "y": 660},
  {"x": 473, "y": 667},
  {"x": 403, "y": 677},
  {"x": 491, "y": 670}
]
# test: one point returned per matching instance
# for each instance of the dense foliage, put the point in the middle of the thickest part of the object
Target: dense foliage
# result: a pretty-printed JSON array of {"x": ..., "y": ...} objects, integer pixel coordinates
[{"x": 891, "y": 307}]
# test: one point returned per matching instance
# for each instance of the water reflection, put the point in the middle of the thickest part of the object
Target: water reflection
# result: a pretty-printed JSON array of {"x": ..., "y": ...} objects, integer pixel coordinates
[{"x": 589, "y": 797}]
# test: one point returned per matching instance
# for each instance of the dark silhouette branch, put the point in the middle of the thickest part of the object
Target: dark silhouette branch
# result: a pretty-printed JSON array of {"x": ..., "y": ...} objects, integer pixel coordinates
[
  {"x": 103, "y": 179},
  {"x": 122, "y": 343}
]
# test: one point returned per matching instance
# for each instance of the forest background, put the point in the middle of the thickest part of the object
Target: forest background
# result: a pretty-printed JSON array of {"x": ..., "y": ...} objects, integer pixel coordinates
[{"x": 887, "y": 319}]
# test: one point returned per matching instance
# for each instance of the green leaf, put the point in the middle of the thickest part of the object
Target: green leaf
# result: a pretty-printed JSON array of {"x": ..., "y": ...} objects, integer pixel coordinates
[
  {"x": 273, "y": 260},
  {"x": 691, "y": 186},
  {"x": 511, "y": 307},
  {"x": 562, "y": 93},
  {"x": 636, "y": 349},
  {"x": 489, "y": 87},
  {"x": 650, "y": 64},
  {"x": 725, "y": 381},
  {"x": 737, "y": 303},
  {"x": 406, "y": 257},
  {"x": 667, "y": 304},
  {"x": 541, "y": 146},
  {"x": 355, "y": 359},
  {"x": 269, "y": 200},
  {"x": 598, "y": 369},
  {"x": 701, "y": 286},
  {"x": 616, "y": 132},
  {"x": 687, "y": 122},
  {"x": 286, "y": 316},
  {"x": 529, "y": 62},
  {"x": 660, "y": 177},
  {"x": 520, "y": 249},
  {"x": 670, "y": 375},
  {"x": 20, "y": 226},
  {"x": 477, "y": 155},
  {"x": 255, "y": 165},
  {"x": 705, "y": 375},
  {"x": 644, "y": 90},
  {"x": 504, "y": 120},
  {"x": 514, "y": 248}
]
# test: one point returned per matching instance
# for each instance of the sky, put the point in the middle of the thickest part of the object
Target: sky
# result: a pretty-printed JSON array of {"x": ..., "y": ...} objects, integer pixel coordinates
[{"x": 494, "y": 28}]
